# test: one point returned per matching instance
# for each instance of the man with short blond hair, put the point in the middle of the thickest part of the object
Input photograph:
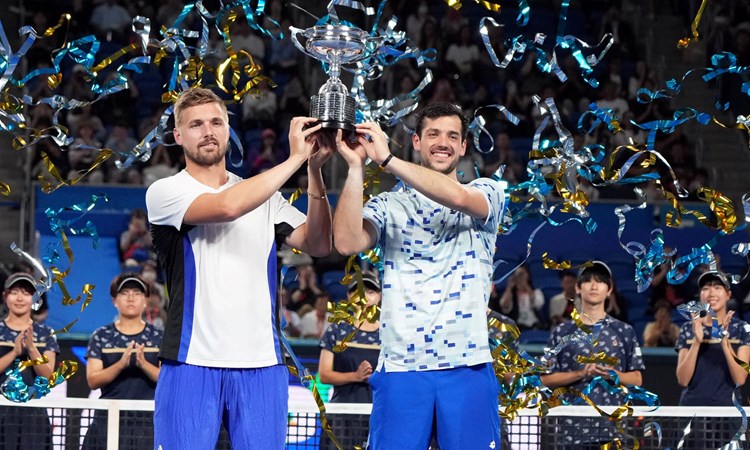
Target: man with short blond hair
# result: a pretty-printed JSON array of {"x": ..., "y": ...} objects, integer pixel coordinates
[{"x": 217, "y": 236}]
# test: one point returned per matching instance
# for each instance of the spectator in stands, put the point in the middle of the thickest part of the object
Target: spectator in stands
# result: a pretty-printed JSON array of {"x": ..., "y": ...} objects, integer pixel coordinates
[
  {"x": 615, "y": 339},
  {"x": 610, "y": 99},
  {"x": 135, "y": 242},
  {"x": 706, "y": 367},
  {"x": 216, "y": 237},
  {"x": 621, "y": 30},
  {"x": 643, "y": 75},
  {"x": 504, "y": 154},
  {"x": 244, "y": 38},
  {"x": 121, "y": 360},
  {"x": 662, "y": 332},
  {"x": 295, "y": 100},
  {"x": 562, "y": 304},
  {"x": 269, "y": 153},
  {"x": 307, "y": 281},
  {"x": 84, "y": 151},
  {"x": 435, "y": 371},
  {"x": 416, "y": 20},
  {"x": 160, "y": 166},
  {"x": 430, "y": 38},
  {"x": 451, "y": 24},
  {"x": 675, "y": 294},
  {"x": 283, "y": 55},
  {"x": 22, "y": 339},
  {"x": 314, "y": 324},
  {"x": 110, "y": 20},
  {"x": 259, "y": 111},
  {"x": 521, "y": 301},
  {"x": 464, "y": 53},
  {"x": 349, "y": 370}
]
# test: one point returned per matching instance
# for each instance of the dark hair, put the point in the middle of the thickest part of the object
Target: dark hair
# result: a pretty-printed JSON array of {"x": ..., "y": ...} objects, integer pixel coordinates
[
  {"x": 597, "y": 273},
  {"x": 442, "y": 109},
  {"x": 124, "y": 276},
  {"x": 566, "y": 273},
  {"x": 138, "y": 213}
]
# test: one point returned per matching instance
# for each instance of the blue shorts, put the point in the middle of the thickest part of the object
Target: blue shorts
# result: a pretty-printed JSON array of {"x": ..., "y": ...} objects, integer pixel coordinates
[
  {"x": 192, "y": 402},
  {"x": 458, "y": 406}
]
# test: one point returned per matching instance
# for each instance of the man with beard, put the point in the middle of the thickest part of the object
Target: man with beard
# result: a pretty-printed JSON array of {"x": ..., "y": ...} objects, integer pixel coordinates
[
  {"x": 216, "y": 236},
  {"x": 434, "y": 374}
]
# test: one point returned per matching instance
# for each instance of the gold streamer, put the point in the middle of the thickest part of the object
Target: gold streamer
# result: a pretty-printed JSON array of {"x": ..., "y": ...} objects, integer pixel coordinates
[
  {"x": 295, "y": 195},
  {"x": 721, "y": 206},
  {"x": 324, "y": 423},
  {"x": 551, "y": 264},
  {"x": 684, "y": 42},
  {"x": 59, "y": 277},
  {"x": 598, "y": 358},
  {"x": 47, "y": 187},
  {"x": 4, "y": 188}
]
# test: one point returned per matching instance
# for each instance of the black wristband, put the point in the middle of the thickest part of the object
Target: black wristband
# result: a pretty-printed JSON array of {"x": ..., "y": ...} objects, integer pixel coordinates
[{"x": 386, "y": 161}]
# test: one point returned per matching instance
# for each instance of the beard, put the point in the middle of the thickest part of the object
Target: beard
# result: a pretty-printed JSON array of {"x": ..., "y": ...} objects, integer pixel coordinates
[
  {"x": 445, "y": 171},
  {"x": 205, "y": 159}
]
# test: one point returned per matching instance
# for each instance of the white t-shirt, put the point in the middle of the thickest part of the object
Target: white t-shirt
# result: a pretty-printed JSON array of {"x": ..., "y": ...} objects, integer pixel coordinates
[
  {"x": 436, "y": 282},
  {"x": 221, "y": 277}
]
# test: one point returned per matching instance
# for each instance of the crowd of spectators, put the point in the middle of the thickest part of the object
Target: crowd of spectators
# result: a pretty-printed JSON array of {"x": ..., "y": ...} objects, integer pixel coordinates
[{"x": 463, "y": 73}]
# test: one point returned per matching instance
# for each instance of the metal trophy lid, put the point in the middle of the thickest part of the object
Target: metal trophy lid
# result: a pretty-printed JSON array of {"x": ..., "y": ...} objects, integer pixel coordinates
[{"x": 337, "y": 43}]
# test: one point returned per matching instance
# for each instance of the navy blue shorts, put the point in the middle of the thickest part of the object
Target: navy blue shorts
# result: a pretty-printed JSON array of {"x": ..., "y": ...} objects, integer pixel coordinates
[
  {"x": 458, "y": 406},
  {"x": 192, "y": 402}
]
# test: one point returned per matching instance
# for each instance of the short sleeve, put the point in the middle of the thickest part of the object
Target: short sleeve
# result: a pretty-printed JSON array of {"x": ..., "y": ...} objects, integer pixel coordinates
[
  {"x": 494, "y": 194},
  {"x": 329, "y": 338},
  {"x": 95, "y": 345},
  {"x": 686, "y": 332},
  {"x": 168, "y": 199},
  {"x": 285, "y": 212},
  {"x": 744, "y": 333},
  {"x": 50, "y": 340},
  {"x": 374, "y": 212},
  {"x": 554, "y": 339},
  {"x": 635, "y": 360}
]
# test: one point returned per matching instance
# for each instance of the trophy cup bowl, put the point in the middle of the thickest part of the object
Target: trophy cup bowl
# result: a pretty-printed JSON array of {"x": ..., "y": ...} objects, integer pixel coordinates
[{"x": 335, "y": 45}]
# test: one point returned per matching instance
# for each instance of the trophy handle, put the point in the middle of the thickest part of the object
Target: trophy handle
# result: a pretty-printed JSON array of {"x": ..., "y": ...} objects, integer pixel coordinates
[{"x": 293, "y": 32}]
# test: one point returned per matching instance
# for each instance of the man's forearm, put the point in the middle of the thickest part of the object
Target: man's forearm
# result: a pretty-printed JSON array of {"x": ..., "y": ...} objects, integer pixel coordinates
[
  {"x": 318, "y": 214},
  {"x": 347, "y": 222}
]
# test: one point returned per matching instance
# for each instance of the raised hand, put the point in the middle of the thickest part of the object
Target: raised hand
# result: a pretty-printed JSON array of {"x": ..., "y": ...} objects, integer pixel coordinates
[
  {"x": 725, "y": 325},
  {"x": 698, "y": 330},
  {"x": 325, "y": 145},
  {"x": 301, "y": 140},
  {"x": 377, "y": 144},
  {"x": 19, "y": 343},
  {"x": 353, "y": 152},
  {"x": 125, "y": 359},
  {"x": 140, "y": 357}
]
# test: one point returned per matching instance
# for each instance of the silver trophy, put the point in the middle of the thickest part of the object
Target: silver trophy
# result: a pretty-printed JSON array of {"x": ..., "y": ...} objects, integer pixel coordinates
[{"x": 336, "y": 45}]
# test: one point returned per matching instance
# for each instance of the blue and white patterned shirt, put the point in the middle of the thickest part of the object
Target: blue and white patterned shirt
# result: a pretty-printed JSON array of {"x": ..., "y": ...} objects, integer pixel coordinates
[
  {"x": 437, "y": 276},
  {"x": 615, "y": 339}
]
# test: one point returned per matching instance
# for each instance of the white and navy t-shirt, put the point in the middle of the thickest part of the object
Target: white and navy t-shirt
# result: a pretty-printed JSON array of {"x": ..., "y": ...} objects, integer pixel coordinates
[
  {"x": 437, "y": 266},
  {"x": 221, "y": 277}
]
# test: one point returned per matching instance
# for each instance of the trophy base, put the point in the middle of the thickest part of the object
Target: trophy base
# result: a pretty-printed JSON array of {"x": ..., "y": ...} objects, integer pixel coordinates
[{"x": 347, "y": 127}]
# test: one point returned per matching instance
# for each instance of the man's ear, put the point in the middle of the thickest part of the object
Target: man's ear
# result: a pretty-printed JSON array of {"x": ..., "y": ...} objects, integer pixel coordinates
[{"x": 177, "y": 136}]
